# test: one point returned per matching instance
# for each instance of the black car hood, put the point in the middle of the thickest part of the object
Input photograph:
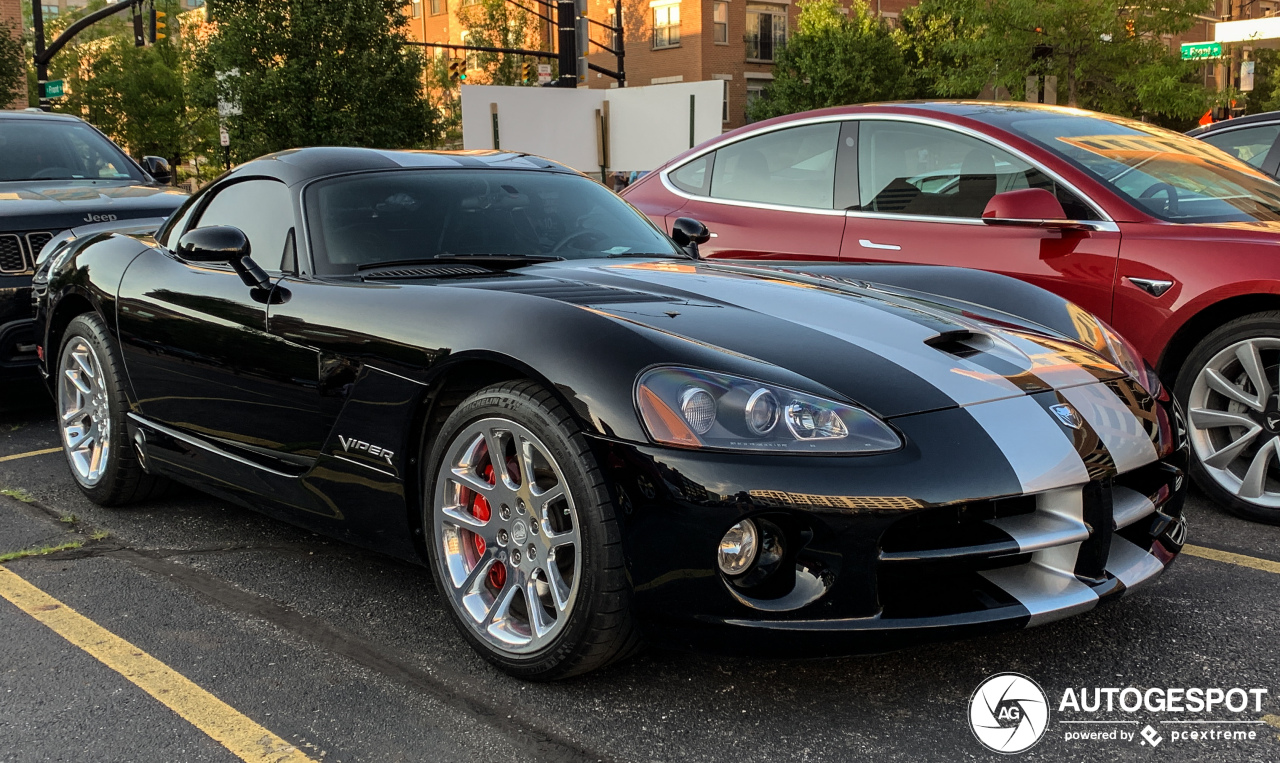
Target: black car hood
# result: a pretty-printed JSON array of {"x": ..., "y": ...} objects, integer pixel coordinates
[
  {"x": 55, "y": 205},
  {"x": 892, "y": 352}
]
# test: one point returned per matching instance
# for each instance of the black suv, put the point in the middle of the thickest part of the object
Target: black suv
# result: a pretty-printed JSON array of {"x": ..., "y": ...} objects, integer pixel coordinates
[{"x": 58, "y": 173}]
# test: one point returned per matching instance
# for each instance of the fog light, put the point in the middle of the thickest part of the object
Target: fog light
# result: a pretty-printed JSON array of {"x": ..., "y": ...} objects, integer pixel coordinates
[{"x": 738, "y": 548}]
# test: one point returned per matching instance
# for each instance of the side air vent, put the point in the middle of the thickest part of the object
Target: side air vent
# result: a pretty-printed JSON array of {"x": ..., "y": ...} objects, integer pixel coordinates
[
  {"x": 425, "y": 271},
  {"x": 961, "y": 343}
]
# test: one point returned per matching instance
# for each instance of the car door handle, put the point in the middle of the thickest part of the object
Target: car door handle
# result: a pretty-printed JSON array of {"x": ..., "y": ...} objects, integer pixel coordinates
[{"x": 867, "y": 244}]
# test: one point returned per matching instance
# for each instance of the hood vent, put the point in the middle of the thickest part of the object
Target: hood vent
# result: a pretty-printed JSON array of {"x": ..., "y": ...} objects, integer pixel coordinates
[
  {"x": 961, "y": 343},
  {"x": 425, "y": 271},
  {"x": 572, "y": 292}
]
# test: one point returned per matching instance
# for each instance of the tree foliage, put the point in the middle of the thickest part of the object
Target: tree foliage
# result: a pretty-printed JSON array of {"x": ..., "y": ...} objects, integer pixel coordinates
[
  {"x": 834, "y": 59},
  {"x": 1108, "y": 55},
  {"x": 496, "y": 24},
  {"x": 13, "y": 66},
  {"x": 316, "y": 72}
]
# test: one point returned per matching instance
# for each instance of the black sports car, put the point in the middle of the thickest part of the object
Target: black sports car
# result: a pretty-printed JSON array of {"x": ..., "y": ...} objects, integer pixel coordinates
[
  {"x": 56, "y": 173},
  {"x": 490, "y": 363}
]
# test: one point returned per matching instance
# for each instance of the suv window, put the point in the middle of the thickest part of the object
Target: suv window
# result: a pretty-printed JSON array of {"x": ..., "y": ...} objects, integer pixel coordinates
[
  {"x": 914, "y": 169},
  {"x": 795, "y": 167},
  {"x": 1249, "y": 144},
  {"x": 262, "y": 210}
]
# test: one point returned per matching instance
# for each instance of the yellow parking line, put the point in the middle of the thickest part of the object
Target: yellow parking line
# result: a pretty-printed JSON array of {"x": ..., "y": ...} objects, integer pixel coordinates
[
  {"x": 244, "y": 738},
  {"x": 16, "y": 456},
  {"x": 1266, "y": 565},
  {"x": 1274, "y": 720}
]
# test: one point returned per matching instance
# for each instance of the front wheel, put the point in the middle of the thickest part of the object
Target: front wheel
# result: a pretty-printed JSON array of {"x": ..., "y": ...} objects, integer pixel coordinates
[
  {"x": 1230, "y": 390},
  {"x": 91, "y": 416},
  {"x": 524, "y": 544}
]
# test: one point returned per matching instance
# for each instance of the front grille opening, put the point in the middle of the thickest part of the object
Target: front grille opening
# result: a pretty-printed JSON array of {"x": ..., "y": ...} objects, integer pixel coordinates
[
  {"x": 18, "y": 345},
  {"x": 961, "y": 343},
  {"x": 929, "y": 590},
  {"x": 956, "y": 526},
  {"x": 12, "y": 257}
]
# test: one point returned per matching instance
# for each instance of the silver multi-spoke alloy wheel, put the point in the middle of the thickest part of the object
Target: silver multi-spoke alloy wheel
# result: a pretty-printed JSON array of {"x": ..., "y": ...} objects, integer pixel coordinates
[
  {"x": 1234, "y": 420},
  {"x": 507, "y": 533},
  {"x": 84, "y": 412}
]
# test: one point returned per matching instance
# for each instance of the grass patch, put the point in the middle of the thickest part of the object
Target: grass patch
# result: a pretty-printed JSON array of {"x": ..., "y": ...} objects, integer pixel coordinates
[
  {"x": 18, "y": 493},
  {"x": 15, "y": 555},
  {"x": 68, "y": 519},
  {"x": 100, "y": 535}
]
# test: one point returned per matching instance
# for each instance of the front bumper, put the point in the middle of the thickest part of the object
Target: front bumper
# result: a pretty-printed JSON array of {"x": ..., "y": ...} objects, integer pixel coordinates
[
  {"x": 972, "y": 528},
  {"x": 17, "y": 329}
]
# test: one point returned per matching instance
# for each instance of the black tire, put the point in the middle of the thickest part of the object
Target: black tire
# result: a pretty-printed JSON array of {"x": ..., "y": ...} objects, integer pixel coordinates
[
  {"x": 122, "y": 480},
  {"x": 1258, "y": 326},
  {"x": 600, "y": 625}
]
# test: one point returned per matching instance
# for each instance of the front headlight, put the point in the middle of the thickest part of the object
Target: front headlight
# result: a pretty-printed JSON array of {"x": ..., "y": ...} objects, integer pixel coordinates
[
  {"x": 700, "y": 409},
  {"x": 1122, "y": 352}
]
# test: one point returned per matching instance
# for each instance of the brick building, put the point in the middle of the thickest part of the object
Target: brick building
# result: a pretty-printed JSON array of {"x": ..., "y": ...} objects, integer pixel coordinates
[{"x": 11, "y": 18}]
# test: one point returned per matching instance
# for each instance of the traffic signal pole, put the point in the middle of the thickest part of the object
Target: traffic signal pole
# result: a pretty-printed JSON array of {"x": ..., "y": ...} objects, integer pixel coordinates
[
  {"x": 44, "y": 54},
  {"x": 567, "y": 44}
]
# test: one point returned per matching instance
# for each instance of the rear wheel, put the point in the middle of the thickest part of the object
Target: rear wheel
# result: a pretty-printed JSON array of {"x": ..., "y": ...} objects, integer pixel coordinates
[
  {"x": 524, "y": 544},
  {"x": 91, "y": 406},
  {"x": 1230, "y": 389}
]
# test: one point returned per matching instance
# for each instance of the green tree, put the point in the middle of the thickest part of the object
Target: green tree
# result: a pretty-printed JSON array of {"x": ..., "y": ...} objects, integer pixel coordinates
[
  {"x": 1108, "y": 55},
  {"x": 495, "y": 24},
  {"x": 315, "y": 72},
  {"x": 13, "y": 66},
  {"x": 834, "y": 59}
]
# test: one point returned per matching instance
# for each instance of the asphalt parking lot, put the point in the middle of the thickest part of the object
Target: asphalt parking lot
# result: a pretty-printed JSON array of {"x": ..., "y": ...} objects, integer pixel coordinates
[{"x": 206, "y": 632}]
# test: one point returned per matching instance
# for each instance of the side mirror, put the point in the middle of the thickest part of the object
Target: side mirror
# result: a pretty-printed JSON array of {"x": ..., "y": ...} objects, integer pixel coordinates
[
  {"x": 688, "y": 233},
  {"x": 1030, "y": 208},
  {"x": 223, "y": 244},
  {"x": 158, "y": 168}
]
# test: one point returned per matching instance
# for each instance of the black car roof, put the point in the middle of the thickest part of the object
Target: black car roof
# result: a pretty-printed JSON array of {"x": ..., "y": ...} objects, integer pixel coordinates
[
  {"x": 302, "y": 164},
  {"x": 10, "y": 114},
  {"x": 1263, "y": 118}
]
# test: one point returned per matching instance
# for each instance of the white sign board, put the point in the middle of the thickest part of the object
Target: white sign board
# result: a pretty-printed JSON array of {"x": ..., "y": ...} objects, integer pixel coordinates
[
  {"x": 1247, "y": 30},
  {"x": 544, "y": 73},
  {"x": 224, "y": 138},
  {"x": 226, "y": 106},
  {"x": 647, "y": 125},
  {"x": 1246, "y": 75}
]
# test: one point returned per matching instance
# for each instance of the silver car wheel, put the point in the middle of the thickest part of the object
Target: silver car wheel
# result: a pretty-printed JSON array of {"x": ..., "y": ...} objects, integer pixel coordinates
[
  {"x": 507, "y": 533},
  {"x": 1234, "y": 419},
  {"x": 84, "y": 412}
]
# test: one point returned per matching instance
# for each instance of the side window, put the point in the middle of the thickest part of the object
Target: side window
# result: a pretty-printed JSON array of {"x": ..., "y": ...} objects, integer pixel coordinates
[
  {"x": 795, "y": 167},
  {"x": 172, "y": 229},
  {"x": 263, "y": 210},
  {"x": 694, "y": 177},
  {"x": 913, "y": 169},
  {"x": 1249, "y": 145}
]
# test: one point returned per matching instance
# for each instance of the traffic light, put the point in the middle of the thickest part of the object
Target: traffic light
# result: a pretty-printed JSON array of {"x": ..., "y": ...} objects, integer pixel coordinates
[
  {"x": 530, "y": 72},
  {"x": 457, "y": 69},
  {"x": 139, "y": 33},
  {"x": 157, "y": 25}
]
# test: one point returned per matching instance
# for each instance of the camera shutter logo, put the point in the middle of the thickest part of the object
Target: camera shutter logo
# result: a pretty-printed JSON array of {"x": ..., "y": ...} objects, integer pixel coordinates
[{"x": 1008, "y": 713}]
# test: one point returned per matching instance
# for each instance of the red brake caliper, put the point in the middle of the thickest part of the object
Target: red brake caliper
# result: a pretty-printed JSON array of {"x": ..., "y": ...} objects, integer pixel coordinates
[{"x": 481, "y": 511}]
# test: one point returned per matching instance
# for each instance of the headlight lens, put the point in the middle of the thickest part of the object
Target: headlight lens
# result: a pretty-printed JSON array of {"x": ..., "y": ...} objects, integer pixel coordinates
[{"x": 699, "y": 409}]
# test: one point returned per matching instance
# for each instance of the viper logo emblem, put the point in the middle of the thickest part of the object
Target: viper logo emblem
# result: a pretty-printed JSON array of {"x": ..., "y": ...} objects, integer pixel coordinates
[
  {"x": 352, "y": 445},
  {"x": 1273, "y": 420},
  {"x": 1067, "y": 415}
]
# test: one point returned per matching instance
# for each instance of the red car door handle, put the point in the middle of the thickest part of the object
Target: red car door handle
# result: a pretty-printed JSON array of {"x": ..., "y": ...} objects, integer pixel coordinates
[{"x": 867, "y": 244}]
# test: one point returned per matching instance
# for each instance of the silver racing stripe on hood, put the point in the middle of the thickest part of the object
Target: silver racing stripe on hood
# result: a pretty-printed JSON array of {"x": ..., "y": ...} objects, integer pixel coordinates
[{"x": 894, "y": 328}]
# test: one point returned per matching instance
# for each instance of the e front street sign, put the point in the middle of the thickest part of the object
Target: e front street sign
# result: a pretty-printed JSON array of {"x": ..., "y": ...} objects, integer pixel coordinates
[
  {"x": 1200, "y": 51},
  {"x": 53, "y": 89}
]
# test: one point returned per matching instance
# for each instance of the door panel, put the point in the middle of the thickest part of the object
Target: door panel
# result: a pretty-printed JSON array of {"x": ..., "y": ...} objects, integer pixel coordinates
[
  {"x": 770, "y": 196},
  {"x": 921, "y": 192}
]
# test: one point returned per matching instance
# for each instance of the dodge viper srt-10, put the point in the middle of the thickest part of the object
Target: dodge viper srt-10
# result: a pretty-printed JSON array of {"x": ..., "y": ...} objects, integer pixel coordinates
[{"x": 592, "y": 438}]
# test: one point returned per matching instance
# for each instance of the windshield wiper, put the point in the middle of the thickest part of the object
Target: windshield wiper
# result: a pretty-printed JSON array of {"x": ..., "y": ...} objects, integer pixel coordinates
[{"x": 493, "y": 260}]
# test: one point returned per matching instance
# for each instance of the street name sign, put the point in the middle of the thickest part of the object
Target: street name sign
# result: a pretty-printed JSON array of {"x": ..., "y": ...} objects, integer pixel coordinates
[
  {"x": 54, "y": 89},
  {"x": 1199, "y": 51}
]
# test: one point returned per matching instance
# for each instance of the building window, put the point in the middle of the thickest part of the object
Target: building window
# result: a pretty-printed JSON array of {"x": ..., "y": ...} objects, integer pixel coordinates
[
  {"x": 613, "y": 28},
  {"x": 438, "y": 7},
  {"x": 720, "y": 19},
  {"x": 724, "y": 105},
  {"x": 49, "y": 11},
  {"x": 766, "y": 30},
  {"x": 417, "y": 8},
  {"x": 666, "y": 26},
  {"x": 755, "y": 92}
]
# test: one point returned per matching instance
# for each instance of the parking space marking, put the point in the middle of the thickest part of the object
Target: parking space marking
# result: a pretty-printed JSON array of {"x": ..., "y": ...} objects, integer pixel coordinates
[
  {"x": 244, "y": 738},
  {"x": 1266, "y": 565},
  {"x": 29, "y": 454}
]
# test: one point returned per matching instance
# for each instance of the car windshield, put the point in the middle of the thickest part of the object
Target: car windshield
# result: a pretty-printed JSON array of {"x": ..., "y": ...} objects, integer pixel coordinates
[
  {"x": 51, "y": 149},
  {"x": 1171, "y": 176},
  {"x": 406, "y": 215}
]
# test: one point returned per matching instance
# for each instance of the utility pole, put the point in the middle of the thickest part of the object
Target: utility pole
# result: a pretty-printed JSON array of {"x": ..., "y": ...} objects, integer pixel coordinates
[{"x": 567, "y": 43}]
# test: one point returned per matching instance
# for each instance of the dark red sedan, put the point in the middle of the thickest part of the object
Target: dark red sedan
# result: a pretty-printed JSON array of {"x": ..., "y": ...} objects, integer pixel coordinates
[{"x": 1171, "y": 240}]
